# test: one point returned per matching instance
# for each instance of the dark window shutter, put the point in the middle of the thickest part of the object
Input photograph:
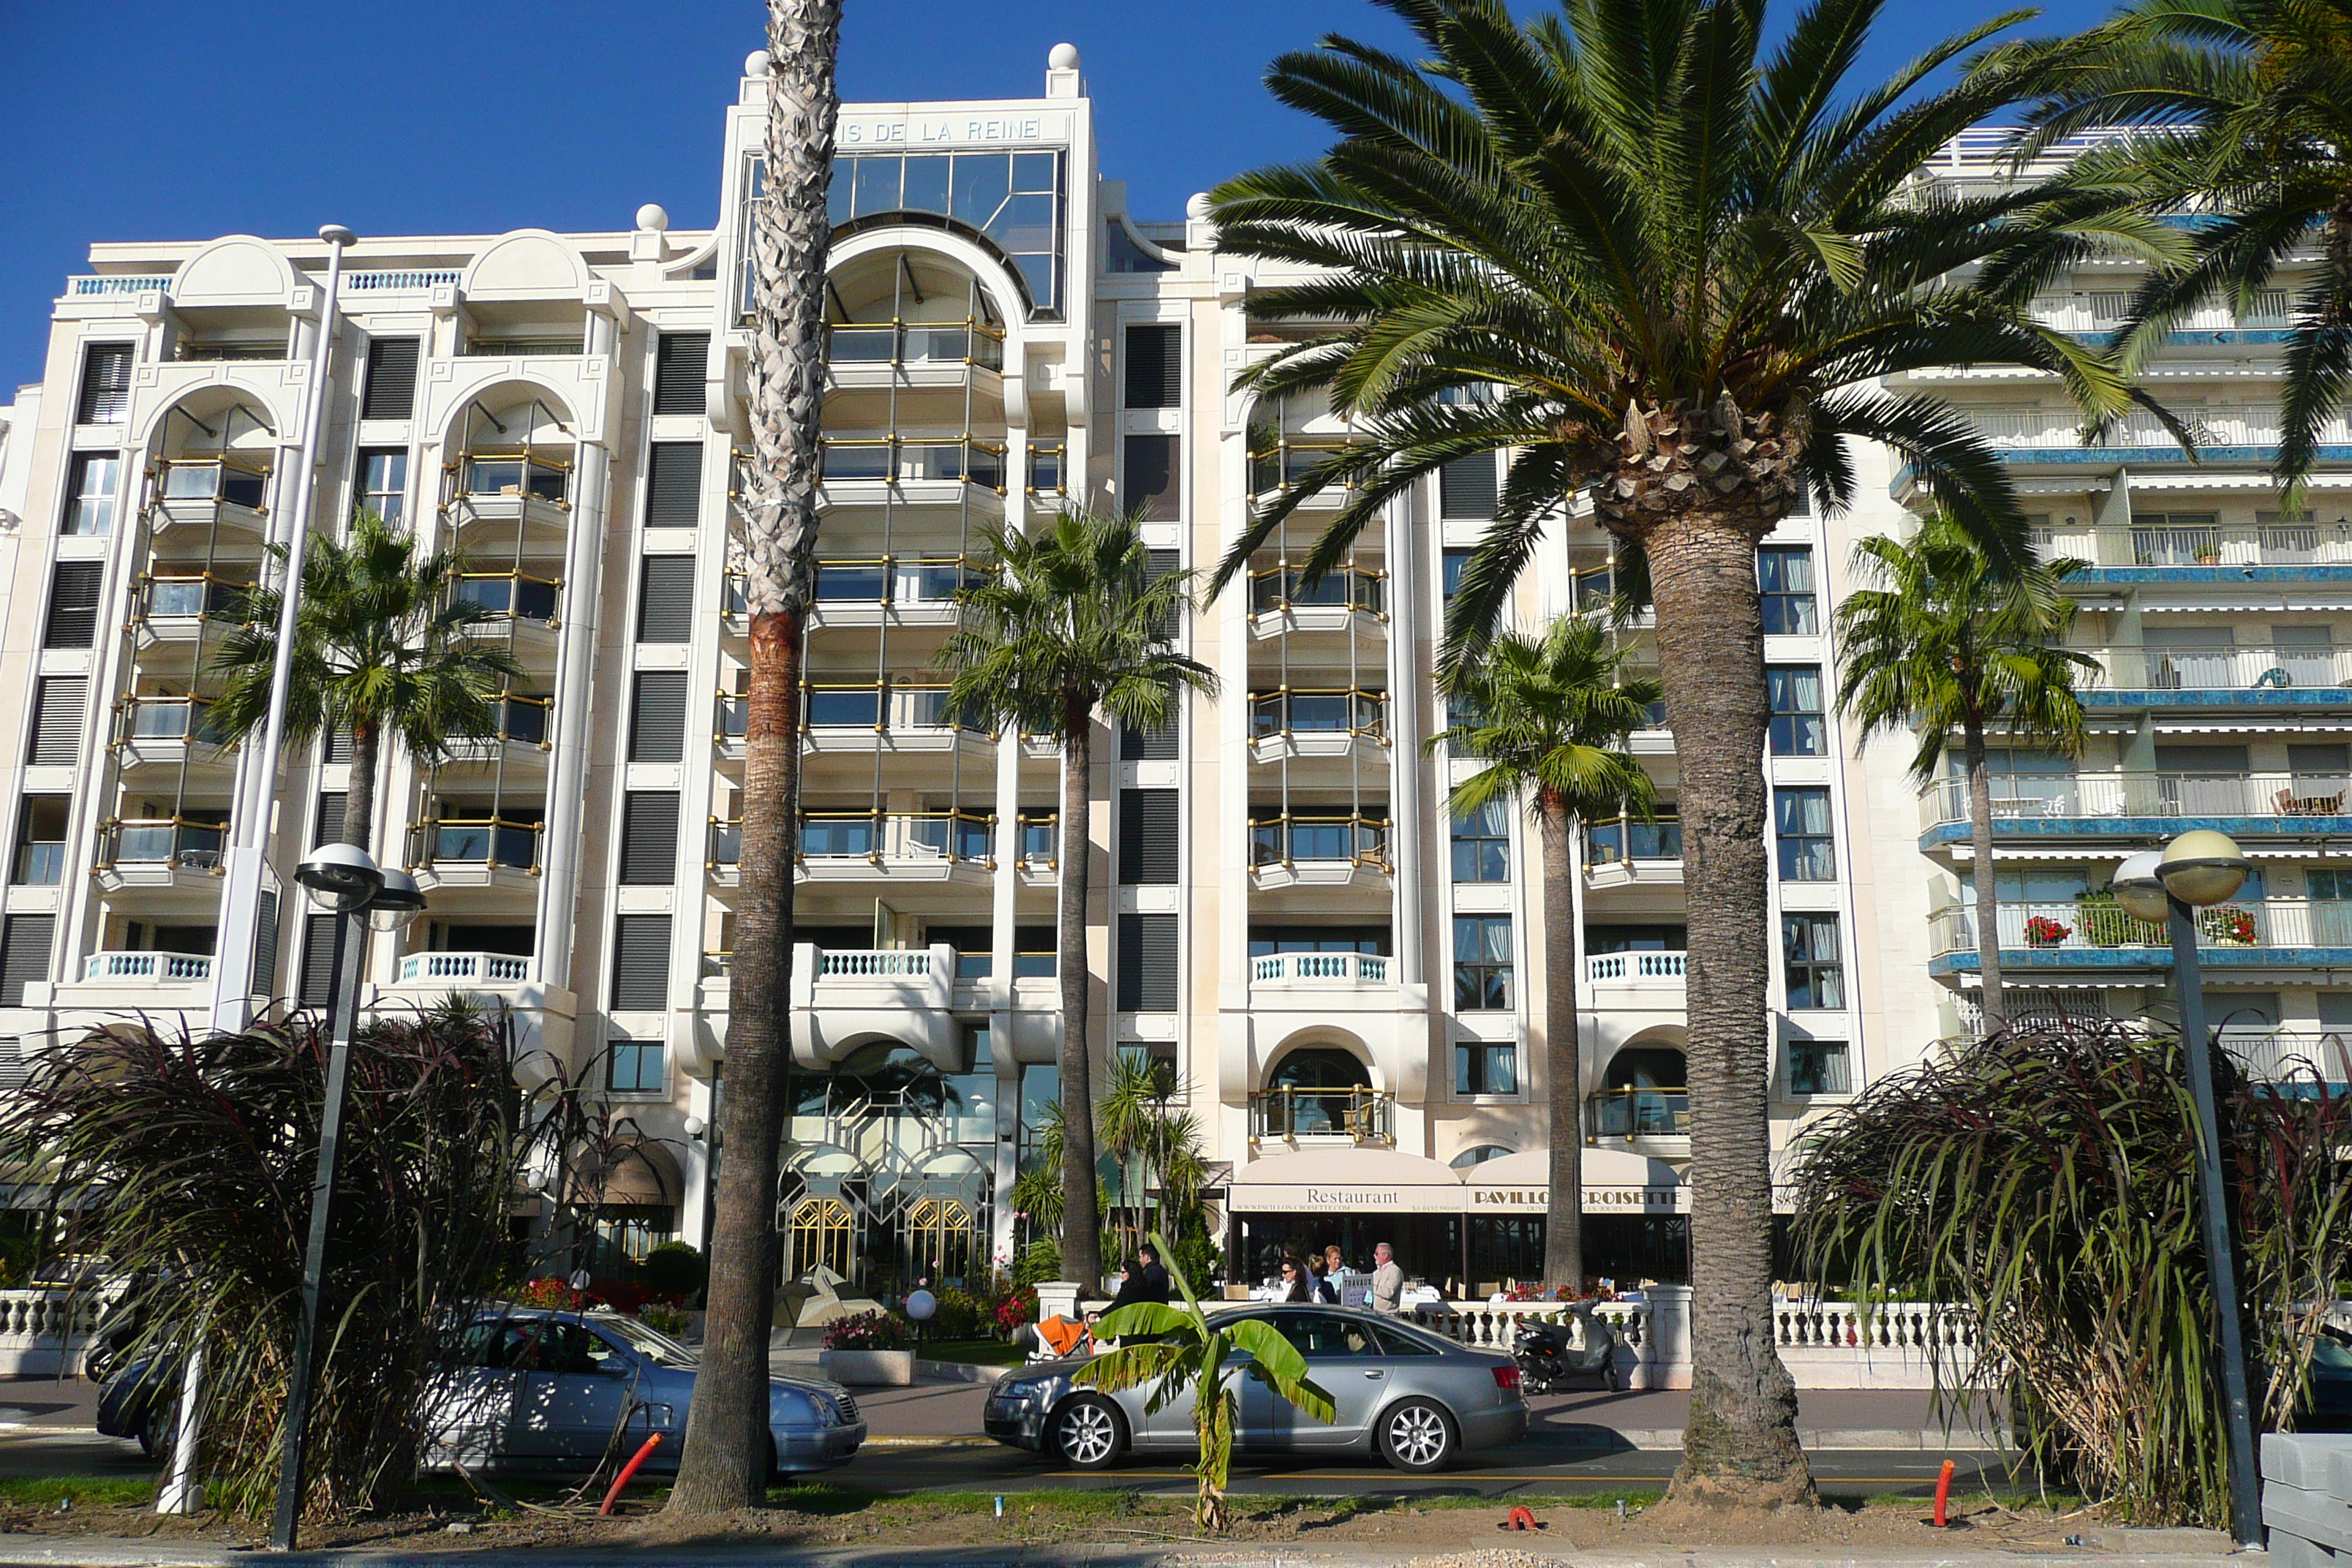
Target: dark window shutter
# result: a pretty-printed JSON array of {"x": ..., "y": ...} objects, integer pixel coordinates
[
  {"x": 657, "y": 721},
  {"x": 641, "y": 963},
  {"x": 1158, "y": 564},
  {"x": 73, "y": 604},
  {"x": 680, "y": 362},
  {"x": 1147, "y": 964},
  {"x": 14, "y": 1069},
  {"x": 391, "y": 392},
  {"x": 1465, "y": 487},
  {"x": 1153, "y": 486},
  {"x": 105, "y": 384},
  {"x": 339, "y": 748},
  {"x": 1146, "y": 836},
  {"x": 1155, "y": 367},
  {"x": 57, "y": 719},
  {"x": 665, "y": 605},
  {"x": 1147, "y": 745},
  {"x": 264, "y": 946},
  {"x": 649, "y": 838},
  {"x": 24, "y": 943},
  {"x": 674, "y": 484},
  {"x": 329, "y": 826},
  {"x": 318, "y": 988}
]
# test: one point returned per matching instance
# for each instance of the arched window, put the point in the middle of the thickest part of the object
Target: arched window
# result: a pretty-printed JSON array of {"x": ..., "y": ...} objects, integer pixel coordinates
[
  {"x": 1643, "y": 1095},
  {"x": 1646, "y": 1066},
  {"x": 1321, "y": 1067},
  {"x": 1477, "y": 1156},
  {"x": 1317, "y": 1090}
]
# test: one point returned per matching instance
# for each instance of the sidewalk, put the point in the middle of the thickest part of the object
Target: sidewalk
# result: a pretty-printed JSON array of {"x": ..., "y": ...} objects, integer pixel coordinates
[{"x": 931, "y": 1414}]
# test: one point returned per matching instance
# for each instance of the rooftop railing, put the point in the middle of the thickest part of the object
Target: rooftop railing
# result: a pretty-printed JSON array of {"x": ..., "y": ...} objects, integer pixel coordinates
[
  {"x": 2121, "y": 795},
  {"x": 84, "y": 285},
  {"x": 390, "y": 282}
]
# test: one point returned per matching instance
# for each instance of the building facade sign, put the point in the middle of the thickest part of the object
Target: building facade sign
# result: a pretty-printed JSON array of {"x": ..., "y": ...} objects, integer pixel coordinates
[{"x": 952, "y": 130}]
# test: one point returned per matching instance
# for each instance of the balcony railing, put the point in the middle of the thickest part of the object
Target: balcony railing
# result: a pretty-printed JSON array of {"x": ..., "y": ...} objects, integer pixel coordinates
[
  {"x": 865, "y": 705},
  {"x": 1278, "y": 468},
  {"x": 493, "y": 476},
  {"x": 184, "y": 843},
  {"x": 2272, "y": 1055},
  {"x": 880, "y": 835},
  {"x": 1320, "y": 711},
  {"x": 1638, "y": 1114},
  {"x": 915, "y": 344},
  {"x": 1366, "y": 1115},
  {"x": 205, "y": 479},
  {"x": 2104, "y": 311},
  {"x": 1321, "y": 968},
  {"x": 1284, "y": 840},
  {"x": 906, "y": 580},
  {"x": 2251, "y": 668},
  {"x": 911, "y": 459},
  {"x": 1048, "y": 461},
  {"x": 1659, "y": 968},
  {"x": 166, "y": 719},
  {"x": 479, "y": 968},
  {"x": 2124, "y": 797},
  {"x": 1281, "y": 588},
  {"x": 156, "y": 968},
  {"x": 1629, "y": 838},
  {"x": 515, "y": 595},
  {"x": 490, "y": 841},
  {"x": 2213, "y": 543},
  {"x": 873, "y": 963},
  {"x": 172, "y": 598},
  {"x": 2083, "y": 925},
  {"x": 2251, "y": 424},
  {"x": 524, "y": 719}
]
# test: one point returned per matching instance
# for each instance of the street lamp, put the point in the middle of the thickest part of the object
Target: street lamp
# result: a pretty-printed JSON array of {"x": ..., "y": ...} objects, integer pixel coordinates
[
  {"x": 2198, "y": 870},
  {"x": 346, "y": 879}
]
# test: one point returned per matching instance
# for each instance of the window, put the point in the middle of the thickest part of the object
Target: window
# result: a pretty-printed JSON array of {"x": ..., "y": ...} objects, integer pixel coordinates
[
  {"x": 1155, "y": 367},
  {"x": 635, "y": 1067},
  {"x": 1466, "y": 488},
  {"x": 1818, "y": 1067},
  {"x": 672, "y": 484},
  {"x": 384, "y": 483},
  {"x": 391, "y": 390},
  {"x": 665, "y": 605},
  {"x": 73, "y": 604},
  {"x": 1785, "y": 572},
  {"x": 1482, "y": 845},
  {"x": 657, "y": 717},
  {"x": 1477, "y": 1155},
  {"x": 1449, "y": 569},
  {"x": 1154, "y": 487},
  {"x": 25, "y": 943},
  {"x": 57, "y": 702},
  {"x": 1801, "y": 821},
  {"x": 1482, "y": 1067},
  {"x": 680, "y": 362},
  {"x": 649, "y": 838},
  {"x": 1012, "y": 198},
  {"x": 641, "y": 963},
  {"x": 1799, "y": 727},
  {"x": 105, "y": 384},
  {"x": 1482, "y": 964},
  {"x": 41, "y": 840},
  {"x": 1147, "y": 964},
  {"x": 1147, "y": 745},
  {"x": 1146, "y": 836},
  {"x": 89, "y": 494},
  {"x": 1809, "y": 949}
]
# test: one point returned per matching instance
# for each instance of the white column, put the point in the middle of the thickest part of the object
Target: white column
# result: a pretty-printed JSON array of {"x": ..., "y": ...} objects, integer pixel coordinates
[{"x": 567, "y": 783}]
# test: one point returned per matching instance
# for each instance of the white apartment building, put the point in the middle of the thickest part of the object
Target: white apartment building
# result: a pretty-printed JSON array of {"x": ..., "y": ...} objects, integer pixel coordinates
[{"x": 1337, "y": 969}]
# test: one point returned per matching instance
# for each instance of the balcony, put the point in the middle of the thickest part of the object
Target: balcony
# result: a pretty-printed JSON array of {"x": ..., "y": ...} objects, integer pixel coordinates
[
  {"x": 2094, "y": 934},
  {"x": 1326, "y": 976},
  {"x": 2210, "y": 552},
  {"x": 2100, "y": 313},
  {"x": 206, "y": 494},
  {"x": 176, "y": 609},
  {"x": 1630, "y": 852},
  {"x": 1318, "y": 721},
  {"x": 462, "y": 968},
  {"x": 167, "y": 732},
  {"x": 2251, "y": 676},
  {"x": 160, "y": 852},
  {"x": 1278, "y": 464},
  {"x": 1631, "y": 1113},
  {"x": 851, "y": 847},
  {"x": 940, "y": 470},
  {"x": 2243, "y": 434},
  {"x": 529, "y": 492},
  {"x": 2140, "y": 806},
  {"x": 544, "y": 1012},
  {"x": 524, "y": 726},
  {"x": 912, "y": 590},
  {"x": 882, "y": 354},
  {"x": 1651, "y": 981},
  {"x": 517, "y": 609},
  {"x": 1282, "y": 600},
  {"x": 475, "y": 852},
  {"x": 2291, "y": 1056},
  {"x": 1318, "y": 851},
  {"x": 865, "y": 716},
  {"x": 1324, "y": 1115}
]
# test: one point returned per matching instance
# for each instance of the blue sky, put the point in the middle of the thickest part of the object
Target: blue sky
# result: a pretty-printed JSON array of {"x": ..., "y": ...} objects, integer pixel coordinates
[{"x": 129, "y": 120}]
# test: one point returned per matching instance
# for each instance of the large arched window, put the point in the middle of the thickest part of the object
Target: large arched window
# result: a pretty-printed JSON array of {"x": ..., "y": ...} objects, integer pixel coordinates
[
  {"x": 1643, "y": 1095},
  {"x": 1317, "y": 1090}
]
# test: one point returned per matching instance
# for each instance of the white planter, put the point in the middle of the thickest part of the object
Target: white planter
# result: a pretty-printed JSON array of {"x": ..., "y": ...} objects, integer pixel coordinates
[{"x": 869, "y": 1368}]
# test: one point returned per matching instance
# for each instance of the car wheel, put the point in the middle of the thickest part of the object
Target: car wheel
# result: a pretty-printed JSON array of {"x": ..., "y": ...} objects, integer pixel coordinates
[
  {"x": 1417, "y": 1436},
  {"x": 155, "y": 1429},
  {"x": 1088, "y": 1432}
]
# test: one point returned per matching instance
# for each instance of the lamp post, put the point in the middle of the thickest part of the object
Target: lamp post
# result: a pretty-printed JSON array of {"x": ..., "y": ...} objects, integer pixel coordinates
[
  {"x": 240, "y": 910},
  {"x": 2195, "y": 871},
  {"x": 346, "y": 879}
]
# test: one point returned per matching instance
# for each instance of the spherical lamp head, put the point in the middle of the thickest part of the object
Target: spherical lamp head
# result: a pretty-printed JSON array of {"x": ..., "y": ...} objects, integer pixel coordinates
[
  {"x": 694, "y": 1126},
  {"x": 2203, "y": 868},
  {"x": 1063, "y": 58},
  {"x": 395, "y": 903},
  {"x": 2138, "y": 887},
  {"x": 343, "y": 877},
  {"x": 922, "y": 1306}
]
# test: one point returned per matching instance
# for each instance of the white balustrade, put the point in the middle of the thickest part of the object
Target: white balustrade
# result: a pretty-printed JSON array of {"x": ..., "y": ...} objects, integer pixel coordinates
[
  {"x": 1321, "y": 968},
  {"x": 45, "y": 1330},
  {"x": 87, "y": 283},
  {"x": 481, "y": 968},
  {"x": 1620, "y": 968},
  {"x": 386, "y": 282},
  {"x": 873, "y": 963},
  {"x": 1490, "y": 1326},
  {"x": 155, "y": 968}
]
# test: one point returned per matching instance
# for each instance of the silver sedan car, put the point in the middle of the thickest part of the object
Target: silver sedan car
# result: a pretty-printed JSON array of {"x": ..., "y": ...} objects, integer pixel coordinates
[{"x": 1410, "y": 1396}]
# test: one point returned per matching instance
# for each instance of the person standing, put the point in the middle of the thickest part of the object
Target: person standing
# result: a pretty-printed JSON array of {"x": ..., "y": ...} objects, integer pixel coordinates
[
  {"x": 1388, "y": 1281},
  {"x": 1295, "y": 1286}
]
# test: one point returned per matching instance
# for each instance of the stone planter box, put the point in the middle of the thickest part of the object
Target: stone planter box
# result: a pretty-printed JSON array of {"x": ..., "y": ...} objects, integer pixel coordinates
[{"x": 869, "y": 1368}]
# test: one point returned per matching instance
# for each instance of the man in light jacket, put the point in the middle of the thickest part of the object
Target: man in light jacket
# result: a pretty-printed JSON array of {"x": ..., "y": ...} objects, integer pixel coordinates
[{"x": 1388, "y": 1281}]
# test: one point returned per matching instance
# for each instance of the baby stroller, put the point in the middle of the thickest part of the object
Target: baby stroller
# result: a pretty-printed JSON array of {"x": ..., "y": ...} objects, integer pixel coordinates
[{"x": 1059, "y": 1339}]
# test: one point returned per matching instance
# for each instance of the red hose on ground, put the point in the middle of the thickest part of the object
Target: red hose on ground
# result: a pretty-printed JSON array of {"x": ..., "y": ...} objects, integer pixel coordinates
[
  {"x": 647, "y": 1452},
  {"x": 1943, "y": 1491}
]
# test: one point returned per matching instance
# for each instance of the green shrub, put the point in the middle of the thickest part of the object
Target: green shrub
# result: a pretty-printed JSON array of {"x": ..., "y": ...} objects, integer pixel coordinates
[
  {"x": 674, "y": 1271},
  {"x": 1040, "y": 1260},
  {"x": 960, "y": 1316}
]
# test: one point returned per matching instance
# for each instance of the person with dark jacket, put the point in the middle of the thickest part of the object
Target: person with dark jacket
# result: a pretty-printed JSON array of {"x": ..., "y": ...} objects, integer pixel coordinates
[{"x": 1147, "y": 1280}]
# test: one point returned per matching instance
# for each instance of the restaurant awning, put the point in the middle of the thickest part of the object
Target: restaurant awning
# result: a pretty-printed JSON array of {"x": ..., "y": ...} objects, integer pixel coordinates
[
  {"x": 1346, "y": 1180},
  {"x": 1616, "y": 1181}
]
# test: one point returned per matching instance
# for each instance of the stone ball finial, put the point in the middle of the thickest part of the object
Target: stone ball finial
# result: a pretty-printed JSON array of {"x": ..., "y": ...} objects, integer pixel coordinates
[
  {"x": 1063, "y": 57},
  {"x": 1197, "y": 209},
  {"x": 756, "y": 63},
  {"x": 653, "y": 216}
]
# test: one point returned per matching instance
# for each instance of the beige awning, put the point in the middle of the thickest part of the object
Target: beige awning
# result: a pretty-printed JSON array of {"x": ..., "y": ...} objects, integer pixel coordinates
[
  {"x": 1346, "y": 1180},
  {"x": 1616, "y": 1181}
]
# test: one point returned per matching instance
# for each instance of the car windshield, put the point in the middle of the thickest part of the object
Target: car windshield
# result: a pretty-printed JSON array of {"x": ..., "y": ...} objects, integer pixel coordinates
[{"x": 658, "y": 1349}]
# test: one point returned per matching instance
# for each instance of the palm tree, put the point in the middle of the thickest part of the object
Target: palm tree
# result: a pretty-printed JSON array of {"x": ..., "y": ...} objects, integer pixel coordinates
[
  {"x": 2244, "y": 110},
  {"x": 726, "y": 1460},
  {"x": 1945, "y": 642},
  {"x": 383, "y": 647},
  {"x": 1155, "y": 1147},
  {"x": 1668, "y": 270},
  {"x": 1550, "y": 716},
  {"x": 1065, "y": 621}
]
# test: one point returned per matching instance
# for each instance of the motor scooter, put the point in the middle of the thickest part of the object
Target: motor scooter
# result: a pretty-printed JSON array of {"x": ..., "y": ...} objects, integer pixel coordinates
[{"x": 1551, "y": 1361}]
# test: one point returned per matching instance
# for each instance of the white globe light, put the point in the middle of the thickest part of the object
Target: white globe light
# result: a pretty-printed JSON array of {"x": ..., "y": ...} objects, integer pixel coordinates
[
  {"x": 921, "y": 1306},
  {"x": 2138, "y": 887},
  {"x": 2203, "y": 868}
]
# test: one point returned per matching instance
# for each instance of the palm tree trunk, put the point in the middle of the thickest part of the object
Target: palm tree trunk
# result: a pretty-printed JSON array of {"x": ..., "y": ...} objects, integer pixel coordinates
[
  {"x": 728, "y": 1456},
  {"x": 1563, "y": 1058},
  {"x": 359, "y": 798},
  {"x": 1980, "y": 874},
  {"x": 1081, "y": 1219},
  {"x": 1740, "y": 1443}
]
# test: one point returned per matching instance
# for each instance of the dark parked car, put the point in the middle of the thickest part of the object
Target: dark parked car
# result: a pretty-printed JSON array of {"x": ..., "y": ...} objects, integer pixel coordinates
[{"x": 1402, "y": 1393}]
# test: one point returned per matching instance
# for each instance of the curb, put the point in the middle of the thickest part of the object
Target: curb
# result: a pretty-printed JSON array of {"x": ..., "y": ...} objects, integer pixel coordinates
[{"x": 1610, "y": 1439}]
